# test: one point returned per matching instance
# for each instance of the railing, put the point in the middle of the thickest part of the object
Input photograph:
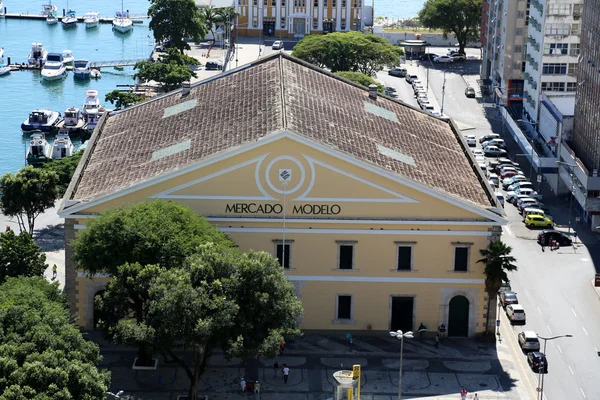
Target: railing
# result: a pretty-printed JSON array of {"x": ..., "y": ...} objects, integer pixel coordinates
[{"x": 116, "y": 63}]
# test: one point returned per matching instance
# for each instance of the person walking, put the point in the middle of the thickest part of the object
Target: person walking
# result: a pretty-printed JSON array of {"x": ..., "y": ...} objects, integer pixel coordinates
[
  {"x": 543, "y": 243},
  {"x": 275, "y": 368},
  {"x": 257, "y": 387},
  {"x": 437, "y": 341},
  {"x": 242, "y": 385},
  {"x": 475, "y": 397},
  {"x": 54, "y": 271},
  {"x": 286, "y": 373},
  {"x": 463, "y": 394},
  {"x": 281, "y": 348}
]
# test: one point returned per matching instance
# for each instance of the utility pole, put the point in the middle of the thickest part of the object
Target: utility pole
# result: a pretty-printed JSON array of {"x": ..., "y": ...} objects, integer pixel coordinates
[{"x": 443, "y": 93}]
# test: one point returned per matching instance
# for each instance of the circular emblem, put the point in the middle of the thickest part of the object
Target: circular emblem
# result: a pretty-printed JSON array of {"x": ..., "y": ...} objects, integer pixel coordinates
[{"x": 286, "y": 176}]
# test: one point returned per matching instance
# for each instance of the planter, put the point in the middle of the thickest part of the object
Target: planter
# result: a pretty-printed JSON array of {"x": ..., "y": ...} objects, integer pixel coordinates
[{"x": 149, "y": 368}]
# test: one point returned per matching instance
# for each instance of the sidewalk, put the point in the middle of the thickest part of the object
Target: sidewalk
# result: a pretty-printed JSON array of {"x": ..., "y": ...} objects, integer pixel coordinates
[{"x": 413, "y": 68}]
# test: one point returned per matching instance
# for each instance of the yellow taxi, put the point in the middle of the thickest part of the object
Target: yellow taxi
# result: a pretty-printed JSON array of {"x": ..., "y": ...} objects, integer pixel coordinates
[{"x": 532, "y": 220}]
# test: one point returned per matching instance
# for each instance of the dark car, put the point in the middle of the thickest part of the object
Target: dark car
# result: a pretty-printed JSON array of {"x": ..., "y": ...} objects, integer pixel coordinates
[
  {"x": 537, "y": 361},
  {"x": 470, "y": 92},
  {"x": 545, "y": 236},
  {"x": 427, "y": 57},
  {"x": 213, "y": 65},
  {"x": 507, "y": 297},
  {"x": 505, "y": 287}
]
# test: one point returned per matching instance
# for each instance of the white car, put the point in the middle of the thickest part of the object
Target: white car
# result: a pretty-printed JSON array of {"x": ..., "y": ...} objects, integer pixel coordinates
[
  {"x": 494, "y": 178},
  {"x": 494, "y": 142},
  {"x": 443, "y": 59},
  {"x": 511, "y": 196},
  {"x": 515, "y": 312},
  {"x": 471, "y": 140},
  {"x": 528, "y": 340},
  {"x": 520, "y": 185},
  {"x": 277, "y": 45},
  {"x": 480, "y": 160},
  {"x": 477, "y": 152},
  {"x": 493, "y": 151},
  {"x": 506, "y": 182},
  {"x": 500, "y": 197}
]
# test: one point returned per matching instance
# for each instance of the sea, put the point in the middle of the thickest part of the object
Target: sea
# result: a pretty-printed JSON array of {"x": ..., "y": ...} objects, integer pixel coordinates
[{"x": 23, "y": 91}]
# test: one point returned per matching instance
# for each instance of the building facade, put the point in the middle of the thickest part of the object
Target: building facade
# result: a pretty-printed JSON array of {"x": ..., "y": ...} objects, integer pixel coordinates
[
  {"x": 297, "y": 18},
  {"x": 339, "y": 184},
  {"x": 552, "y": 53}
]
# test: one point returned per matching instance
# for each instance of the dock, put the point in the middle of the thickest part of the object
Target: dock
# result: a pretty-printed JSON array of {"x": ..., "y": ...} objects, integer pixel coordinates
[{"x": 40, "y": 17}]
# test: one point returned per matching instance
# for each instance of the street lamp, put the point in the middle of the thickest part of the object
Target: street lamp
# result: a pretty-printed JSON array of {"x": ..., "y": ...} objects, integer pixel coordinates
[
  {"x": 116, "y": 396},
  {"x": 443, "y": 93},
  {"x": 572, "y": 188},
  {"x": 541, "y": 387},
  {"x": 400, "y": 336}
]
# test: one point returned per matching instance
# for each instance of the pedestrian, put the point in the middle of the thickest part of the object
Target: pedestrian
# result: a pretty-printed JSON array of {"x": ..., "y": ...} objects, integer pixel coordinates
[
  {"x": 257, "y": 387},
  {"x": 543, "y": 243},
  {"x": 475, "y": 397},
  {"x": 463, "y": 394},
  {"x": 275, "y": 368},
  {"x": 281, "y": 348},
  {"x": 286, "y": 373},
  {"x": 553, "y": 245},
  {"x": 437, "y": 341},
  {"x": 54, "y": 271},
  {"x": 441, "y": 330},
  {"x": 242, "y": 385}
]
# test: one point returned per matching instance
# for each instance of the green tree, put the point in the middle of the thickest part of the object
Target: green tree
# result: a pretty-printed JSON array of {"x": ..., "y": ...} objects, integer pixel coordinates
[
  {"x": 28, "y": 194},
  {"x": 64, "y": 169},
  {"x": 20, "y": 256},
  {"x": 42, "y": 354},
  {"x": 348, "y": 51},
  {"x": 151, "y": 232},
  {"x": 497, "y": 260},
  {"x": 226, "y": 15},
  {"x": 460, "y": 17},
  {"x": 170, "y": 71},
  {"x": 360, "y": 78},
  {"x": 210, "y": 17},
  {"x": 241, "y": 303},
  {"x": 122, "y": 99},
  {"x": 176, "y": 20}
]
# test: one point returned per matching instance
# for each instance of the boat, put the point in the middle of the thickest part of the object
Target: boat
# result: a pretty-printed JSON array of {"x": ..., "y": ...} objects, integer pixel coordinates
[
  {"x": 62, "y": 146},
  {"x": 69, "y": 20},
  {"x": 54, "y": 68},
  {"x": 67, "y": 57},
  {"x": 48, "y": 9},
  {"x": 1, "y": 9},
  {"x": 51, "y": 19},
  {"x": 39, "y": 150},
  {"x": 91, "y": 19},
  {"x": 43, "y": 120},
  {"x": 91, "y": 108},
  {"x": 73, "y": 119},
  {"x": 1, "y": 52},
  {"x": 95, "y": 73},
  {"x": 81, "y": 69},
  {"x": 122, "y": 23},
  {"x": 37, "y": 54},
  {"x": 4, "y": 70}
]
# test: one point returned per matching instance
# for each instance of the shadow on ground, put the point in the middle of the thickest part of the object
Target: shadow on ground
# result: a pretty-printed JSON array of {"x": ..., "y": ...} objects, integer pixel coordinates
[{"x": 50, "y": 238}]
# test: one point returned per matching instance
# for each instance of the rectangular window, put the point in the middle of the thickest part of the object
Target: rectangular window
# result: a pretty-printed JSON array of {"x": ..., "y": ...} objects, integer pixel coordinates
[
  {"x": 282, "y": 5},
  {"x": 316, "y": 3},
  {"x": 577, "y": 11},
  {"x": 523, "y": 64},
  {"x": 265, "y": 3},
  {"x": 461, "y": 259},
  {"x": 559, "y": 9},
  {"x": 519, "y": 32},
  {"x": 273, "y": 3},
  {"x": 553, "y": 86},
  {"x": 520, "y": 14},
  {"x": 343, "y": 3},
  {"x": 554, "y": 69},
  {"x": 334, "y": 3},
  {"x": 575, "y": 49},
  {"x": 315, "y": 23},
  {"x": 255, "y": 2},
  {"x": 571, "y": 86},
  {"x": 284, "y": 259},
  {"x": 345, "y": 256},
  {"x": 325, "y": 3},
  {"x": 556, "y": 48},
  {"x": 572, "y": 69},
  {"x": 344, "y": 307},
  {"x": 404, "y": 258},
  {"x": 518, "y": 49},
  {"x": 558, "y": 29},
  {"x": 574, "y": 29},
  {"x": 357, "y": 4},
  {"x": 282, "y": 22},
  {"x": 343, "y": 24}
]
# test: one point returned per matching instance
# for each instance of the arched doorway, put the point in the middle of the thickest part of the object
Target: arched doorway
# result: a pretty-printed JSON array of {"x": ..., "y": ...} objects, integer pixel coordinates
[
  {"x": 98, "y": 314},
  {"x": 458, "y": 317}
]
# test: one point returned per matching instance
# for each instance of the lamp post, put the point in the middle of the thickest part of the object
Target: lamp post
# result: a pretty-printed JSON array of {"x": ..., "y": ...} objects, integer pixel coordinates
[
  {"x": 541, "y": 378},
  {"x": 400, "y": 336},
  {"x": 443, "y": 92},
  {"x": 572, "y": 188}
]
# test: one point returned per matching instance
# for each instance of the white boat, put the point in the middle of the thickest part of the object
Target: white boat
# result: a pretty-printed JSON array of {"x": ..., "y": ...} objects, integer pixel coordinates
[
  {"x": 95, "y": 73},
  {"x": 37, "y": 54},
  {"x": 48, "y": 9},
  {"x": 81, "y": 69},
  {"x": 62, "y": 146},
  {"x": 42, "y": 120},
  {"x": 69, "y": 20},
  {"x": 92, "y": 109},
  {"x": 1, "y": 52},
  {"x": 4, "y": 70},
  {"x": 1, "y": 9},
  {"x": 54, "y": 68},
  {"x": 73, "y": 119},
  {"x": 68, "y": 57},
  {"x": 122, "y": 23},
  {"x": 39, "y": 150},
  {"x": 51, "y": 19},
  {"x": 91, "y": 19}
]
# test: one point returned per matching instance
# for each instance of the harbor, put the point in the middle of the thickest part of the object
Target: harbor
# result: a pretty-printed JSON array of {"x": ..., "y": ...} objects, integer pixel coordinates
[{"x": 137, "y": 19}]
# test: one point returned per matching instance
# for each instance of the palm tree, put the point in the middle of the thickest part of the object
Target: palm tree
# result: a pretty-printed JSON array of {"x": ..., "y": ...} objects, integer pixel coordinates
[
  {"x": 497, "y": 261},
  {"x": 226, "y": 14},
  {"x": 210, "y": 18}
]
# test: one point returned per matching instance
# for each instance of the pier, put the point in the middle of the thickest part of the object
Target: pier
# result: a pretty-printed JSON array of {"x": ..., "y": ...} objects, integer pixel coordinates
[
  {"x": 134, "y": 17},
  {"x": 116, "y": 63}
]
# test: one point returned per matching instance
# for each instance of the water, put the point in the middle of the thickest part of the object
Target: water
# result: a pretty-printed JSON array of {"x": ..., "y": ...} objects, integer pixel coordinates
[
  {"x": 23, "y": 91},
  {"x": 397, "y": 9}
]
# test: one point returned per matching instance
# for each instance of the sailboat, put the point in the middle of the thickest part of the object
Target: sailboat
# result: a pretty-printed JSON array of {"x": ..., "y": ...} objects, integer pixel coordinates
[
  {"x": 48, "y": 9},
  {"x": 122, "y": 23},
  {"x": 69, "y": 20},
  {"x": 51, "y": 19}
]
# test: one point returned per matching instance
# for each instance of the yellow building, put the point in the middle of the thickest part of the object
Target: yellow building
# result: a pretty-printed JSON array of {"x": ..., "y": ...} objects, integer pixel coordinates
[
  {"x": 297, "y": 18},
  {"x": 377, "y": 209}
]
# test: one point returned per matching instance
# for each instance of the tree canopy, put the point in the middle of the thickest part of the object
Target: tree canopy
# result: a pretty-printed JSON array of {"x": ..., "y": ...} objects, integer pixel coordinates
[
  {"x": 64, "y": 168},
  {"x": 348, "y": 51},
  {"x": 170, "y": 71},
  {"x": 20, "y": 256},
  {"x": 176, "y": 20},
  {"x": 42, "y": 354},
  {"x": 28, "y": 194},
  {"x": 122, "y": 99},
  {"x": 151, "y": 232},
  {"x": 361, "y": 79},
  {"x": 460, "y": 17}
]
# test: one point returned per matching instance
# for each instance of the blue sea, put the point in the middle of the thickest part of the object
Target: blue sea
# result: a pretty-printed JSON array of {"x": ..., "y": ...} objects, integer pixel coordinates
[{"x": 23, "y": 91}]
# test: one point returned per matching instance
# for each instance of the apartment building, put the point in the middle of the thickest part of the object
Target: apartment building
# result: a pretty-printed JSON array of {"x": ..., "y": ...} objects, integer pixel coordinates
[
  {"x": 297, "y": 18},
  {"x": 503, "y": 32},
  {"x": 552, "y": 52}
]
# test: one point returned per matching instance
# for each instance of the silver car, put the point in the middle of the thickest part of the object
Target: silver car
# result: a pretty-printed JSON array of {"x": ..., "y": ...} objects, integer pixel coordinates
[{"x": 528, "y": 340}]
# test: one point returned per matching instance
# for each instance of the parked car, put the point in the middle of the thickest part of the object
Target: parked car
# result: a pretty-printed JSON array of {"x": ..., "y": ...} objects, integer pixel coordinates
[
  {"x": 398, "y": 71},
  {"x": 453, "y": 52},
  {"x": 500, "y": 197},
  {"x": 505, "y": 286},
  {"x": 493, "y": 151},
  {"x": 410, "y": 78},
  {"x": 427, "y": 107},
  {"x": 509, "y": 181},
  {"x": 458, "y": 57},
  {"x": 415, "y": 82},
  {"x": 508, "y": 297},
  {"x": 427, "y": 56},
  {"x": 509, "y": 173},
  {"x": 470, "y": 92},
  {"x": 533, "y": 220},
  {"x": 471, "y": 140},
  {"x": 526, "y": 191},
  {"x": 528, "y": 340},
  {"x": 527, "y": 202},
  {"x": 537, "y": 361},
  {"x": 477, "y": 152},
  {"x": 213, "y": 65},
  {"x": 489, "y": 136},
  {"x": 545, "y": 236},
  {"x": 443, "y": 59},
  {"x": 535, "y": 211},
  {"x": 494, "y": 142},
  {"x": 277, "y": 45},
  {"x": 515, "y": 313},
  {"x": 493, "y": 177},
  {"x": 520, "y": 185}
]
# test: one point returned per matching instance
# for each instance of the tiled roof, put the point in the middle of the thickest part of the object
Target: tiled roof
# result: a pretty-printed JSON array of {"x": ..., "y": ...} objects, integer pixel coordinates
[{"x": 277, "y": 92}]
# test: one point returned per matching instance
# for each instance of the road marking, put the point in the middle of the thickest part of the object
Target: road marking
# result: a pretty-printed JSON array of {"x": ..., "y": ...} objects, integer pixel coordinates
[
  {"x": 570, "y": 369},
  {"x": 574, "y": 313},
  {"x": 540, "y": 311},
  {"x": 549, "y": 330},
  {"x": 559, "y": 349},
  {"x": 585, "y": 259},
  {"x": 583, "y": 394}
]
